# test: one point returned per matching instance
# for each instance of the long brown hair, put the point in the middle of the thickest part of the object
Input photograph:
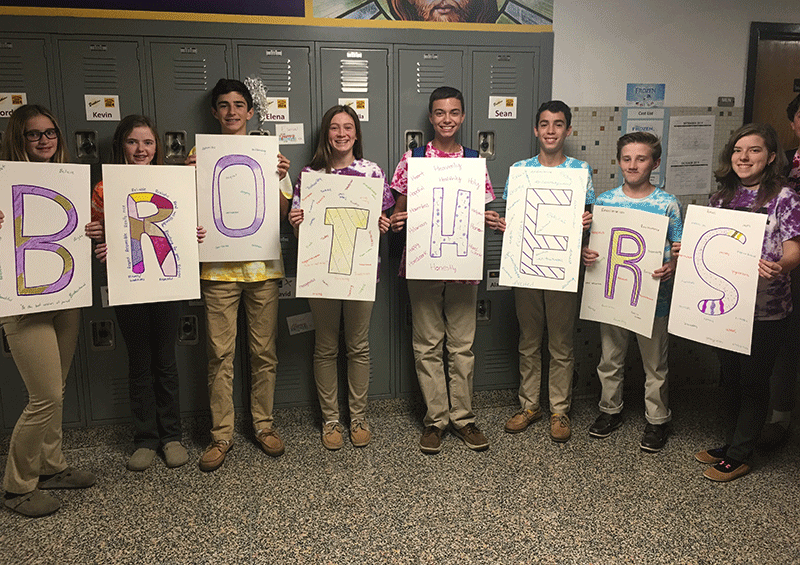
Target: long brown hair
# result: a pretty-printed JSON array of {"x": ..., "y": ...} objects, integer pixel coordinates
[
  {"x": 13, "y": 148},
  {"x": 771, "y": 179},
  {"x": 124, "y": 129},
  {"x": 322, "y": 156}
]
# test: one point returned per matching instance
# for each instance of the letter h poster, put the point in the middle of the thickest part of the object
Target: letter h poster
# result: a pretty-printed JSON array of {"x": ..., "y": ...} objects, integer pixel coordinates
[
  {"x": 619, "y": 289},
  {"x": 150, "y": 221},
  {"x": 45, "y": 257},
  {"x": 446, "y": 204},
  {"x": 238, "y": 197},
  {"x": 337, "y": 251},
  {"x": 716, "y": 281},
  {"x": 542, "y": 241}
]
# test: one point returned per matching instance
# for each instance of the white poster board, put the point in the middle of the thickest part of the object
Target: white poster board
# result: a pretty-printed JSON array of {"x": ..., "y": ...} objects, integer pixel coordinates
[
  {"x": 238, "y": 197},
  {"x": 542, "y": 241},
  {"x": 716, "y": 280},
  {"x": 150, "y": 221},
  {"x": 45, "y": 257},
  {"x": 619, "y": 289},
  {"x": 446, "y": 203},
  {"x": 337, "y": 251}
]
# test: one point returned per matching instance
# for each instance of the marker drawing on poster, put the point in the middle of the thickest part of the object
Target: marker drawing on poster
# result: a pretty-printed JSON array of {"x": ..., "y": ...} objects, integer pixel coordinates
[
  {"x": 150, "y": 221},
  {"x": 619, "y": 289},
  {"x": 337, "y": 250},
  {"x": 238, "y": 197},
  {"x": 716, "y": 280},
  {"x": 542, "y": 241},
  {"x": 45, "y": 258},
  {"x": 446, "y": 204}
]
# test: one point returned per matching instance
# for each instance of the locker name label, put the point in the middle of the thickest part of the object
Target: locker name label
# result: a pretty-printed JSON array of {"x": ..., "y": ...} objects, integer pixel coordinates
[
  {"x": 493, "y": 281},
  {"x": 502, "y": 107},
  {"x": 301, "y": 323},
  {"x": 10, "y": 101},
  {"x": 360, "y": 105},
  {"x": 102, "y": 107},
  {"x": 277, "y": 110}
]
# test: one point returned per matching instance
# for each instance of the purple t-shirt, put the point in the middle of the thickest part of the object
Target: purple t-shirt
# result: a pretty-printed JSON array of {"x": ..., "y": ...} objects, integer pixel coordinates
[
  {"x": 774, "y": 298},
  {"x": 358, "y": 168}
]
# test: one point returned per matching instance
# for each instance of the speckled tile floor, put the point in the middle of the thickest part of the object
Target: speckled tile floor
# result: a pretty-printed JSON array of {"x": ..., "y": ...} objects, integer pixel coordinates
[{"x": 525, "y": 500}]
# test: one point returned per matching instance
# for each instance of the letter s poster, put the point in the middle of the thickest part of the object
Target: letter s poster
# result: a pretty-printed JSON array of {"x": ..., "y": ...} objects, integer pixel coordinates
[
  {"x": 716, "y": 281},
  {"x": 45, "y": 257},
  {"x": 237, "y": 197},
  {"x": 446, "y": 204},
  {"x": 619, "y": 289},
  {"x": 337, "y": 249},
  {"x": 150, "y": 224}
]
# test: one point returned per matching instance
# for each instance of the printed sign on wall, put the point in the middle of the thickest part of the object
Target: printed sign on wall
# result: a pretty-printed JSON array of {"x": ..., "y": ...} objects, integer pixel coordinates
[{"x": 102, "y": 107}]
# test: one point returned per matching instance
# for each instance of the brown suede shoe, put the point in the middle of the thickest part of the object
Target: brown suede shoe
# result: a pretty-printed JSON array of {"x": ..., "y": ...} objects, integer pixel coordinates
[
  {"x": 559, "y": 428},
  {"x": 522, "y": 419},
  {"x": 360, "y": 435},
  {"x": 431, "y": 440},
  {"x": 270, "y": 442},
  {"x": 214, "y": 455},
  {"x": 726, "y": 470}
]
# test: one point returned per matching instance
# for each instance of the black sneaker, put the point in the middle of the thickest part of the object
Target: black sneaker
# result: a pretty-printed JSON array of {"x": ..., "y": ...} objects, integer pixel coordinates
[
  {"x": 654, "y": 438},
  {"x": 605, "y": 424}
]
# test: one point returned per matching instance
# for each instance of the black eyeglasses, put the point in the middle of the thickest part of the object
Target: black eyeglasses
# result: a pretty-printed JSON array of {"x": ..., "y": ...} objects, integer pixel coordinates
[{"x": 36, "y": 135}]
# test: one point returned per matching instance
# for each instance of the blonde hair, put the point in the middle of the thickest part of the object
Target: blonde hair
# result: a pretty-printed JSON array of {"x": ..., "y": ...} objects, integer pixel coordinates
[{"x": 13, "y": 148}]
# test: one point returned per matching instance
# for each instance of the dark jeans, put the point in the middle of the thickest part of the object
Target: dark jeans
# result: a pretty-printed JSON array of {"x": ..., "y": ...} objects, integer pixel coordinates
[
  {"x": 150, "y": 332},
  {"x": 745, "y": 382},
  {"x": 784, "y": 375}
]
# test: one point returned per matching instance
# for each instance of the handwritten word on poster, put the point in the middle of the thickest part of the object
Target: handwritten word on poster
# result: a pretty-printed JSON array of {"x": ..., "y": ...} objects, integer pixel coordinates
[
  {"x": 446, "y": 204},
  {"x": 542, "y": 241},
  {"x": 150, "y": 220},
  {"x": 238, "y": 197},
  {"x": 714, "y": 298},
  {"x": 337, "y": 251},
  {"x": 619, "y": 289},
  {"x": 45, "y": 258}
]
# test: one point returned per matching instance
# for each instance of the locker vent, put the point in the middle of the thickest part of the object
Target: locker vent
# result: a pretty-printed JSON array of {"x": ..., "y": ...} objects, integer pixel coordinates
[
  {"x": 355, "y": 75},
  {"x": 498, "y": 362},
  {"x": 11, "y": 72},
  {"x": 493, "y": 250},
  {"x": 503, "y": 80},
  {"x": 430, "y": 75},
  {"x": 277, "y": 75},
  {"x": 100, "y": 73},
  {"x": 190, "y": 74}
]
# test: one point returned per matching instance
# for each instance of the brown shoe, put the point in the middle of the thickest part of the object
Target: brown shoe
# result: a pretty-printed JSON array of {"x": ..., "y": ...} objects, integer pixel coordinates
[
  {"x": 472, "y": 437},
  {"x": 214, "y": 455},
  {"x": 726, "y": 470},
  {"x": 522, "y": 419},
  {"x": 431, "y": 440},
  {"x": 711, "y": 456},
  {"x": 332, "y": 436},
  {"x": 559, "y": 428},
  {"x": 270, "y": 442},
  {"x": 359, "y": 433}
]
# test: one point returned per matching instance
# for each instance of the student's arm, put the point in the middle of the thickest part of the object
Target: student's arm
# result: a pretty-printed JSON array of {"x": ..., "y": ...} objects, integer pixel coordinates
[
  {"x": 674, "y": 234},
  {"x": 399, "y": 216},
  {"x": 665, "y": 271},
  {"x": 791, "y": 258}
]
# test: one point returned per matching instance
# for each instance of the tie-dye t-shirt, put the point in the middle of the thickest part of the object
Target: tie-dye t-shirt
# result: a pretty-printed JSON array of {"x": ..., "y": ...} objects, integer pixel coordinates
[
  {"x": 774, "y": 298},
  {"x": 794, "y": 170},
  {"x": 661, "y": 203}
]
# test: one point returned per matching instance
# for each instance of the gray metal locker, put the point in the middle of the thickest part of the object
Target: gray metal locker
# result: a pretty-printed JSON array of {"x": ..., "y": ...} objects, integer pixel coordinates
[{"x": 24, "y": 69}]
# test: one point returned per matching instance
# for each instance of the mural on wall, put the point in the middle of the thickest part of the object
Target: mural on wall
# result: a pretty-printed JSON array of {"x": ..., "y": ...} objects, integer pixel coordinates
[
  {"x": 245, "y": 7},
  {"x": 524, "y": 12}
]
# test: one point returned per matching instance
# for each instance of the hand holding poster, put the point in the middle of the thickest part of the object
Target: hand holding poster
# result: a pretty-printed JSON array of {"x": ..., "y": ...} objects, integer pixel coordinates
[
  {"x": 542, "y": 241},
  {"x": 619, "y": 289},
  {"x": 446, "y": 204},
  {"x": 238, "y": 197},
  {"x": 337, "y": 251},
  {"x": 150, "y": 221},
  {"x": 716, "y": 280},
  {"x": 45, "y": 258}
]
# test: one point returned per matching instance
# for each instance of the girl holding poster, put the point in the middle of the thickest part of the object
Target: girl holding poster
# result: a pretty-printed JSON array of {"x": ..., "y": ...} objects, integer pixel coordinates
[
  {"x": 150, "y": 330},
  {"x": 749, "y": 178},
  {"x": 42, "y": 345},
  {"x": 340, "y": 152}
]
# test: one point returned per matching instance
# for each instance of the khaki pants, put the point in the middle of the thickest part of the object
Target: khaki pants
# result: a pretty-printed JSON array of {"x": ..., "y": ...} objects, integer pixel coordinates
[
  {"x": 440, "y": 309},
  {"x": 327, "y": 315},
  {"x": 42, "y": 346},
  {"x": 261, "y": 306},
  {"x": 536, "y": 307}
]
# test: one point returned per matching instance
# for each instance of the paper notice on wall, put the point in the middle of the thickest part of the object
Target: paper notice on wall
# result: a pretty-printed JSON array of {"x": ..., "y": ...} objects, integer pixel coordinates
[
  {"x": 360, "y": 105},
  {"x": 690, "y": 155},
  {"x": 290, "y": 134}
]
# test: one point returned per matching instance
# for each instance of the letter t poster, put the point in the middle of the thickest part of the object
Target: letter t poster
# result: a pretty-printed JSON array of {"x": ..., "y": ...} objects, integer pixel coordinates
[
  {"x": 619, "y": 289},
  {"x": 446, "y": 204}
]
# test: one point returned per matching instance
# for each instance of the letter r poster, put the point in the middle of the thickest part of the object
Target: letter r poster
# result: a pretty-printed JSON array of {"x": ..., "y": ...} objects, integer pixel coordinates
[
  {"x": 237, "y": 197},
  {"x": 45, "y": 258},
  {"x": 716, "y": 281},
  {"x": 619, "y": 289}
]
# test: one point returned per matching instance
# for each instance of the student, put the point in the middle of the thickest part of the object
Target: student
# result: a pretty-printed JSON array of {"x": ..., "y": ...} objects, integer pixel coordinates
[
  {"x": 42, "y": 345},
  {"x": 151, "y": 329},
  {"x": 639, "y": 154},
  {"x": 749, "y": 177},
  {"x": 443, "y": 308},
  {"x": 536, "y": 307},
  {"x": 340, "y": 152},
  {"x": 224, "y": 285}
]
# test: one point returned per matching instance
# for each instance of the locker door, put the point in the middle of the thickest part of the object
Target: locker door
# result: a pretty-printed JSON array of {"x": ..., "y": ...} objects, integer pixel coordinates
[
  {"x": 362, "y": 74},
  {"x": 23, "y": 70}
]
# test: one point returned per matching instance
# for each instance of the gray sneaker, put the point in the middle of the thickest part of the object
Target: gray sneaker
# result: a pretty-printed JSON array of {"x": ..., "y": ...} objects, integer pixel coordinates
[
  {"x": 33, "y": 504},
  {"x": 68, "y": 478},
  {"x": 175, "y": 454},
  {"x": 141, "y": 459}
]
